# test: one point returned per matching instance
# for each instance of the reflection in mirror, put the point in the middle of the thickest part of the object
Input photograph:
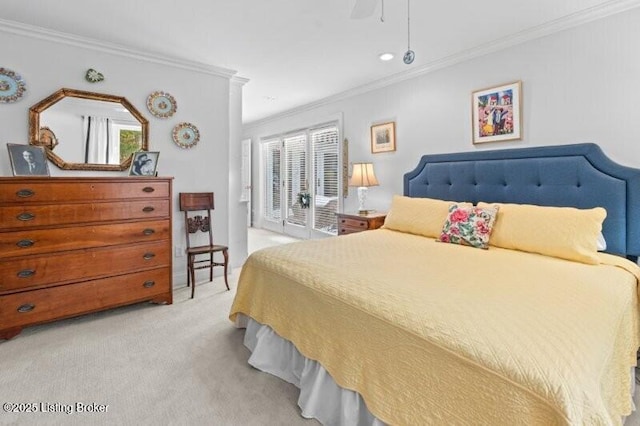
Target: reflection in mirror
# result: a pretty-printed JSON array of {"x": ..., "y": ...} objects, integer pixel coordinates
[
  {"x": 107, "y": 131},
  {"x": 88, "y": 131}
]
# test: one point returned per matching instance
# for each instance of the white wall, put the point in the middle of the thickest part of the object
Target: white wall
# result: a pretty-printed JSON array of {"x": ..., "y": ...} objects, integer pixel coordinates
[
  {"x": 203, "y": 98},
  {"x": 579, "y": 85}
]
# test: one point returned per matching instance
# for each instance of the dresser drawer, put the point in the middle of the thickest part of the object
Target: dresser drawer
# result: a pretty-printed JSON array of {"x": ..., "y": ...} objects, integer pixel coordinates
[
  {"x": 40, "y": 241},
  {"x": 344, "y": 230},
  {"x": 357, "y": 224},
  {"x": 46, "y": 270},
  {"x": 350, "y": 223},
  {"x": 24, "y": 217},
  {"x": 30, "y": 307},
  {"x": 82, "y": 190}
]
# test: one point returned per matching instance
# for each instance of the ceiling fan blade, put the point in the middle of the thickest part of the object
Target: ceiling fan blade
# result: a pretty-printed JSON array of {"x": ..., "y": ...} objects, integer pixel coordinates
[{"x": 363, "y": 9}]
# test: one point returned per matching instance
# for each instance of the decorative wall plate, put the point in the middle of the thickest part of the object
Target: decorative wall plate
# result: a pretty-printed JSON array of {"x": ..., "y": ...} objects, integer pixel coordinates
[
  {"x": 47, "y": 138},
  {"x": 12, "y": 87},
  {"x": 186, "y": 135},
  {"x": 161, "y": 104},
  {"x": 93, "y": 76}
]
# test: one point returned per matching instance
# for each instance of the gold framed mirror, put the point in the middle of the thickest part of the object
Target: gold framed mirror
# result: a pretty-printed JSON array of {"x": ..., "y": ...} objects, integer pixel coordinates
[{"x": 88, "y": 131}]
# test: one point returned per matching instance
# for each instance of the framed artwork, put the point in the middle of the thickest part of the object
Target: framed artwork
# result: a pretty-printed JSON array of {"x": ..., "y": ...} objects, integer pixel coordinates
[
  {"x": 28, "y": 160},
  {"x": 496, "y": 113},
  {"x": 383, "y": 137},
  {"x": 144, "y": 163}
]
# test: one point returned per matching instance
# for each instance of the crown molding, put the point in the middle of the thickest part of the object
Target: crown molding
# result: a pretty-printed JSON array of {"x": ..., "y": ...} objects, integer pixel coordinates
[
  {"x": 239, "y": 81},
  {"x": 13, "y": 27},
  {"x": 603, "y": 10}
]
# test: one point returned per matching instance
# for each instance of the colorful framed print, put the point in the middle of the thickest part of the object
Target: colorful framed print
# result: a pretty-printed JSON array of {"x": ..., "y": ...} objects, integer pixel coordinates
[
  {"x": 12, "y": 87},
  {"x": 144, "y": 163},
  {"x": 383, "y": 137},
  {"x": 496, "y": 113},
  {"x": 186, "y": 135},
  {"x": 28, "y": 160},
  {"x": 162, "y": 104}
]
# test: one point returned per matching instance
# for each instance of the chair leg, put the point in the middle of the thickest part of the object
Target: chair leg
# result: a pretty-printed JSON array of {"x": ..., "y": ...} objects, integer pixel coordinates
[
  {"x": 226, "y": 262},
  {"x": 188, "y": 271},
  {"x": 210, "y": 266},
  {"x": 193, "y": 275}
]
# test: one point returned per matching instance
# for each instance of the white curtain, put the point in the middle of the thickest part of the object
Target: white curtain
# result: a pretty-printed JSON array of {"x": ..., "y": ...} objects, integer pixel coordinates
[{"x": 101, "y": 143}]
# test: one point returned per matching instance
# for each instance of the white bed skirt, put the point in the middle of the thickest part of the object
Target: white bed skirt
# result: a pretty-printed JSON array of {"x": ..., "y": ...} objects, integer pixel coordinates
[{"x": 320, "y": 397}]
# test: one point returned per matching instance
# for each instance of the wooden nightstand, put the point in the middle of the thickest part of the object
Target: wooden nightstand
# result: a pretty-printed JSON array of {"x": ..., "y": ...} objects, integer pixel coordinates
[{"x": 348, "y": 223}]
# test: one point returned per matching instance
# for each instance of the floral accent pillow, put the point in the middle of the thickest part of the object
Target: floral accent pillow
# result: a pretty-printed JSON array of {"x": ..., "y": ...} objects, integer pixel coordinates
[{"x": 470, "y": 226}]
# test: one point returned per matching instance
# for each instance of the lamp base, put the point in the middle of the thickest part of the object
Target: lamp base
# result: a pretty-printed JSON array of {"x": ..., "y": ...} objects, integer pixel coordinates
[
  {"x": 365, "y": 212},
  {"x": 362, "y": 196}
]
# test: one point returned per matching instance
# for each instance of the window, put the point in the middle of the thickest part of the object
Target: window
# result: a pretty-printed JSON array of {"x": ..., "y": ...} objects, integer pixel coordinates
[
  {"x": 325, "y": 148},
  {"x": 130, "y": 137},
  {"x": 295, "y": 148},
  {"x": 271, "y": 158}
]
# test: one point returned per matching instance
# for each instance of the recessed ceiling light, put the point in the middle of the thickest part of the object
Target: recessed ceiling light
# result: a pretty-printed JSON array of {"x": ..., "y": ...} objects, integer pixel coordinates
[{"x": 386, "y": 56}]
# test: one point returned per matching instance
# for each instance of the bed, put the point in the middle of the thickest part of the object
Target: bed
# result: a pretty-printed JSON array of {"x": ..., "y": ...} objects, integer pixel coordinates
[{"x": 390, "y": 326}]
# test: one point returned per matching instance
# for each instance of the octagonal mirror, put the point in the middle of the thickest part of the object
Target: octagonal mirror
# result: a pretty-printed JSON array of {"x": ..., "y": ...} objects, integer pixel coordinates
[{"x": 88, "y": 131}]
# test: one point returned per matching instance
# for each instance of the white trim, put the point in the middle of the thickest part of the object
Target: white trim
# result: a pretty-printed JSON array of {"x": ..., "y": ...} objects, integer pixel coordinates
[
  {"x": 32, "y": 31},
  {"x": 597, "y": 12},
  {"x": 239, "y": 81}
]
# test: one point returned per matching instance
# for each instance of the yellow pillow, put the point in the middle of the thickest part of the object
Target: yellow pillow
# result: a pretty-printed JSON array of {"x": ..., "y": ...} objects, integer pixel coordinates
[
  {"x": 564, "y": 232},
  {"x": 420, "y": 216}
]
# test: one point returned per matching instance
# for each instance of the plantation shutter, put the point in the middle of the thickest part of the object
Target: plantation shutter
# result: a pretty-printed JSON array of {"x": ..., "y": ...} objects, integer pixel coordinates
[
  {"x": 272, "y": 190},
  {"x": 325, "y": 148},
  {"x": 295, "y": 148}
]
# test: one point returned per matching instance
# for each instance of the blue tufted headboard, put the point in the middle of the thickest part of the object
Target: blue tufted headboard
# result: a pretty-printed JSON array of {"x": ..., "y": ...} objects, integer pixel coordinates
[{"x": 578, "y": 175}]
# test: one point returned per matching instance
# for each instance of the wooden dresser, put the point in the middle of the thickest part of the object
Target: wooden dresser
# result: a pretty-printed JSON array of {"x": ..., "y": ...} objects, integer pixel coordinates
[
  {"x": 348, "y": 223},
  {"x": 69, "y": 246}
]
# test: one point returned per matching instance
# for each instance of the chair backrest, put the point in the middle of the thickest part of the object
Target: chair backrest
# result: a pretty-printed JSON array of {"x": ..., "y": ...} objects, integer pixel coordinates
[{"x": 197, "y": 202}]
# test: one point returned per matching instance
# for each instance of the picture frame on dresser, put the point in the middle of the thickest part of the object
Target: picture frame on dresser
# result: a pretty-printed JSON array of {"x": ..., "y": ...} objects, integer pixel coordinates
[
  {"x": 144, "y": 163},
  {"x": 28, "y": 160}
]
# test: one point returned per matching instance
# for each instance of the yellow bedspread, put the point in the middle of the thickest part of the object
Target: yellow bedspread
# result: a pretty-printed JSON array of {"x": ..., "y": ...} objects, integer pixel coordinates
[{"x": 432, "y": 333}]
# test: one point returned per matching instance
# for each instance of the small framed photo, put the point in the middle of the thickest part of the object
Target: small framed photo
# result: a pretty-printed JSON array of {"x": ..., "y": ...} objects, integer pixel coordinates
[
  {"x": 28, "y": 160},
  {"x": 496, "y": 113},
  {"x": 383, "y": 137},
  {"x": 144, "y": 163}
]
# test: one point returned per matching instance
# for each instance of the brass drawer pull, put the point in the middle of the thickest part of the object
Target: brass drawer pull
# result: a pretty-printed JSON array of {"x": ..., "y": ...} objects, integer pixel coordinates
[
  {"x": 148, "y": 189},
  {"x": 149, "y": 284},
  {"x": 25, "y": 243},
  {"x": 26, "y": 216},
  {"x": 24, "y": 193},
  {"x": 148, "y": 256},
  {"x": 148, "y": 209},
  {"x": 148, "y": 231},
  {"x": 26, "y": 273},
  {"x": 27, "y": 307}
]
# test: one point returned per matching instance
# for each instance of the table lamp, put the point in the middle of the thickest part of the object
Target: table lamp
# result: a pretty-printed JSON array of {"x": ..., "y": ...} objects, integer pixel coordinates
[{"x": 363, "y": 176}]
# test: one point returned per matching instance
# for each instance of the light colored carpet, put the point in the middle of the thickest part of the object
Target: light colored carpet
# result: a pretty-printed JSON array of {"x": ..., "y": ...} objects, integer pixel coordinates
[{"x": 178, "y": 364}]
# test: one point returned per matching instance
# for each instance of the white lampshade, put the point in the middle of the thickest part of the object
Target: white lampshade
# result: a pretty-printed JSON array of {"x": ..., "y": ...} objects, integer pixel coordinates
[{"x": 363, "y": 175}]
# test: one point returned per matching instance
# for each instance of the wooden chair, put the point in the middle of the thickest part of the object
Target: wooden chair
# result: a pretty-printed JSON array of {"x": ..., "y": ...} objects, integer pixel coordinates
[{"x": 200, "y": 202}]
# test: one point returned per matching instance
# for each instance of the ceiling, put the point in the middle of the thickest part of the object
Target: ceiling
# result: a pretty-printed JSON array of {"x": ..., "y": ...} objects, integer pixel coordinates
[{"x": 296, "y": 52}]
